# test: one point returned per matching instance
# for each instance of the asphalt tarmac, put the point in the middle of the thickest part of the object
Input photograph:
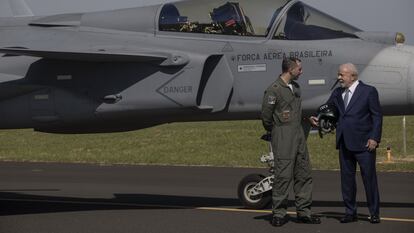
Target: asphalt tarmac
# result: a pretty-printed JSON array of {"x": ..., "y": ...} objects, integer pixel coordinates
[{"x": 77, "y": 198}]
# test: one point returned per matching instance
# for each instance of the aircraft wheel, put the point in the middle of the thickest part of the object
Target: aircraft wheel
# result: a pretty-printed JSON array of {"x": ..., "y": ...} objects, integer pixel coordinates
[{"x": 252, "y": 202}]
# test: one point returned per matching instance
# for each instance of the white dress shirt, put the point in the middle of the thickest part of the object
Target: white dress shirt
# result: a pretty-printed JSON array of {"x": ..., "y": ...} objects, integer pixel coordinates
[{"x": 351, "y": 91}]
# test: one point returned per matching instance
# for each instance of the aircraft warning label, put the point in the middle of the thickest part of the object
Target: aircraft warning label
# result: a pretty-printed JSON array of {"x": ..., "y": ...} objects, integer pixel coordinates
[
  {"x": 252, "y": 68},
  {"x": 178, "y": 89}
]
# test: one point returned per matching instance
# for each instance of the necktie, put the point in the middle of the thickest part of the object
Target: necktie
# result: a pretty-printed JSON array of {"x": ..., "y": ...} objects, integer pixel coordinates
[{"x": 346, "y": 98}]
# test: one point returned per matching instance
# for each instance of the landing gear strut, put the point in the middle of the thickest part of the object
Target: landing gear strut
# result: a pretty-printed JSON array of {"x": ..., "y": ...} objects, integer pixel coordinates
[{"x": 255, "y": 190}]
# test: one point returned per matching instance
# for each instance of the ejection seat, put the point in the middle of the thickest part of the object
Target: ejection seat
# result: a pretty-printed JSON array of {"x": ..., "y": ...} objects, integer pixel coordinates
[
  {"x": 297, "y": 27},
  {"x": 231, "y": 19}
]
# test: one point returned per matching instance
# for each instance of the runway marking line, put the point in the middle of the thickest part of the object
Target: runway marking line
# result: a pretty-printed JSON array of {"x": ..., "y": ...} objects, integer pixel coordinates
[
  {"x": 176, "y": 207},
  {"x": 290, "y": 213}
]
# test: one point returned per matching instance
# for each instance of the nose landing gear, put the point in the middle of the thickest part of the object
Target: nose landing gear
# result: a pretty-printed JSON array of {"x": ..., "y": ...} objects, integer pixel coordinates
[{"x": 255, "y": 190}]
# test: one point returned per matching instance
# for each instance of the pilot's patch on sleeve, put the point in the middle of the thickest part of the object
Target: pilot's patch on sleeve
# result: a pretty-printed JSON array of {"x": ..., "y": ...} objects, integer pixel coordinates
[{"x": 271, "y": 100}]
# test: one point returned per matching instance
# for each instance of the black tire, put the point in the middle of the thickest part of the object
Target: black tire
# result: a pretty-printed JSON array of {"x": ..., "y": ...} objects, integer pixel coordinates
[{"x": 253, "y": 202}]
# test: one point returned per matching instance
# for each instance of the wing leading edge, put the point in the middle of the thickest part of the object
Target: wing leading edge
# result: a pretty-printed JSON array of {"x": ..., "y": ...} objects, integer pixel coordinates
[{"x": 102, "y": 55}]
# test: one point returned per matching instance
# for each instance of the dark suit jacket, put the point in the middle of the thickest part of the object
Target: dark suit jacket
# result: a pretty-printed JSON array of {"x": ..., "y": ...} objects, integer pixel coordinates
[{"x": 362, "y": 120}]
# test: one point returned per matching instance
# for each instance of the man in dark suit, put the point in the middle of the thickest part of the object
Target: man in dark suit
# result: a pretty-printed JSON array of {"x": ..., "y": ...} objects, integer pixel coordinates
[{"x": 358, "y": 133}]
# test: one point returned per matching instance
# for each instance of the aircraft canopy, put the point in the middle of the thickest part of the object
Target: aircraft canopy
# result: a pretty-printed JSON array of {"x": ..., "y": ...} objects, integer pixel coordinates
[{"x": 296, "y": 21}]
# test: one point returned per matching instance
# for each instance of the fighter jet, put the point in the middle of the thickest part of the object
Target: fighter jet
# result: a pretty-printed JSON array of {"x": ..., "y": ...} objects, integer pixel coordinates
[{"x": 197, "y": 60}]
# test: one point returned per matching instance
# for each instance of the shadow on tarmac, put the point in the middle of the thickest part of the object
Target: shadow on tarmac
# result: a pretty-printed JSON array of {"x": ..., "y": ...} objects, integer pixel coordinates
[
  {"x": 333, "y": 215},
  {"x": 13, "y": 203}
]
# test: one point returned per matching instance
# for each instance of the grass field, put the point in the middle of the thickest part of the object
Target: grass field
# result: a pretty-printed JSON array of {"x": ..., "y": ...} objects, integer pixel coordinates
[{"x": 230, "y": 144}]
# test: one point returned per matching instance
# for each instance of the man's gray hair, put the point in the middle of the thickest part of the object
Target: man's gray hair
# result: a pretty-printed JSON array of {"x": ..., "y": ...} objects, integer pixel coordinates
[{"x": 352, "y": 68}]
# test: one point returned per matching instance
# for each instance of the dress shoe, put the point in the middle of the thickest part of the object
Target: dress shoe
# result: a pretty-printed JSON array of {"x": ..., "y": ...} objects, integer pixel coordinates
[
  {"x": 309, "y": 219},
  {"x": 349, "y": 218},
  {"x": 374, "y": 219},
  {"x": 278, "y": 222}
]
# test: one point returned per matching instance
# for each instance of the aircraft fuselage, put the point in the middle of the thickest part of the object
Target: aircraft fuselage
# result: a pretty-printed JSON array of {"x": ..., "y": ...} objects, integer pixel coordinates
[{"x": 87, "y": 78}]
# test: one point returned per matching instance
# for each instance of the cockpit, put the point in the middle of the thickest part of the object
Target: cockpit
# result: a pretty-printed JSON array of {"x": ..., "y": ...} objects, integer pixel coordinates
[
  {"x": 228, "y": 18},
  {"x": 302, "y": 22},
  {"x": 283, "y": 18}
]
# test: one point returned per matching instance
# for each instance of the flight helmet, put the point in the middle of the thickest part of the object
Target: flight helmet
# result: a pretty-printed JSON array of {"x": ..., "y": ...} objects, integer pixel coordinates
[{"x": 327, "y": 117}]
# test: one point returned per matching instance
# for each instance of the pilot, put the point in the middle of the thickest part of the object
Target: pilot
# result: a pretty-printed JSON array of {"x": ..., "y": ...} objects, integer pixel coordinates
[{"x": 282, "y": 117}]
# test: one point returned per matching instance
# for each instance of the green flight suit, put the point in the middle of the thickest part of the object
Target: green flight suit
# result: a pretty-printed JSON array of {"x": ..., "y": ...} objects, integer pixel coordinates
[{"x": 282, "y": 116}]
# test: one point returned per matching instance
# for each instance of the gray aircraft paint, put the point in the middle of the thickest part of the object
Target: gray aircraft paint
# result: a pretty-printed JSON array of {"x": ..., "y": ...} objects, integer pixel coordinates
[
  {"x": 369, "y": 15},
  {"x": 115, "y": 71}
]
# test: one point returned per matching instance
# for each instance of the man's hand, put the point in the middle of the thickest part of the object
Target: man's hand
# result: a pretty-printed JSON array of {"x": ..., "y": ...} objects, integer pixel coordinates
[
  {"x": 371, "y": 145},
  {"x": 314, "y": 121}
]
